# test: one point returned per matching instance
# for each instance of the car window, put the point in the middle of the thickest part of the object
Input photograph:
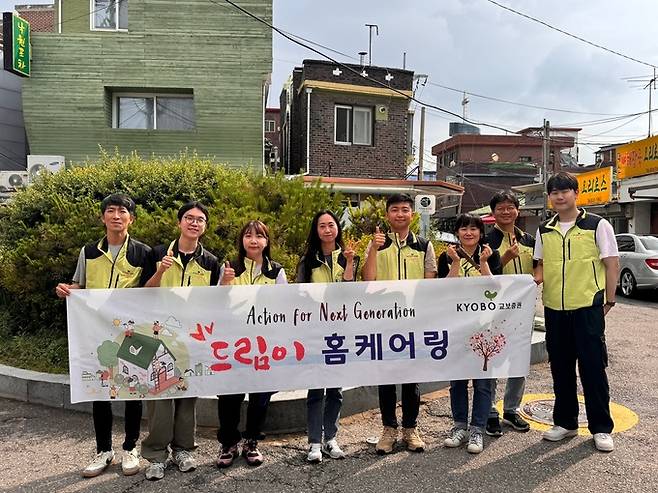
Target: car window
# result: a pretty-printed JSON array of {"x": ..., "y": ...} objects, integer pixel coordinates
[
  {"x": 649, "y": 242},
  {"x": 625, "y": 244}
]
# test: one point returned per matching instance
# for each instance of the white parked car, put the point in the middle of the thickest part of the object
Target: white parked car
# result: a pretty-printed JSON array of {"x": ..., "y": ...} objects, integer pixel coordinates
[{"x": 638, "y": 258}]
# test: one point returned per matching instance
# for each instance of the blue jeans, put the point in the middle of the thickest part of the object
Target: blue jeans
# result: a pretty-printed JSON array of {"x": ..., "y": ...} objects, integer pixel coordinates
[
  {"x": 481, "y": 403},
  {"x": 323, "y": 417},
  {"x": 513, "y": 395}
]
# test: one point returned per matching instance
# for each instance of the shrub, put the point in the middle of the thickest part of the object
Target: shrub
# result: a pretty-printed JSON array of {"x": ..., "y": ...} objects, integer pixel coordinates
[{"x": 43, "y": 227}]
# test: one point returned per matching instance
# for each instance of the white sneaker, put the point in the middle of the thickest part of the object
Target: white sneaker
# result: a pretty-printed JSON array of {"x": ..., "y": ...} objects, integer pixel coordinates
[
  {"x": 99, "y": 464},
  {"x": 314, "y": 453},
  {"x": 184, "y": 460},
  {"x": 475, "y": 443},
  {"x": 130, "y": 462},
  {"x": 457, "y": 437},
  {"x": 332, "y": 449},
  {"x": 603, "y": 442},
  {"x": 155, "y": 471},
  {"x": 557, "y": 433}
]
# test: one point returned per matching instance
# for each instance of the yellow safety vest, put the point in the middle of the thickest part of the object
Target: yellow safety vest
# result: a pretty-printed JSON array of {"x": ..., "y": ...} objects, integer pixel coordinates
[
  {"x": 124, "y": 271},
  {"x": 501, "y": 241},
  {"x": 198, "y": 271},
  {"x": 246, "y": 273},
  {"x": 397, "y": 260},
  {"x": 574, "y": 275}
]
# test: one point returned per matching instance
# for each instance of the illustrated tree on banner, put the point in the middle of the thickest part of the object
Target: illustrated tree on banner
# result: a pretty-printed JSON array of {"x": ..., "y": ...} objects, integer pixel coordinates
[
  {"x": 107, "y": 356},
  {"x": 487, "y": 344}
]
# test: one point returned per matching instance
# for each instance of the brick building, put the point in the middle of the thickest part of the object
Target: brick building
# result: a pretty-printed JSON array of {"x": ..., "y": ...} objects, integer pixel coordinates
[
  {"x": 484, "y": 164},
  {"x": 272, "y": 132},
  {"x": 338, "y": 123}
]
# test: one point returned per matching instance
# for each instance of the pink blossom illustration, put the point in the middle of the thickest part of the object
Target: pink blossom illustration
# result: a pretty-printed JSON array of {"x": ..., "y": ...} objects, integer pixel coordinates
[{"x": 487, "y": 344}]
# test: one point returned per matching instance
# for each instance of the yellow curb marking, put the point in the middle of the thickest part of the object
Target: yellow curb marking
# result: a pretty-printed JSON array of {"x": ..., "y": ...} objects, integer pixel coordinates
[{"x": 624, "y": 418}]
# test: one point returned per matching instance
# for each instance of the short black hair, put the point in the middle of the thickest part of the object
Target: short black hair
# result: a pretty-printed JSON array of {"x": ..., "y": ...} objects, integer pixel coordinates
[
  {"x": 120, "y": 200},
  {"x": 465, "y": 220},
  {"x": 398, "y": 198},
  {"x": 562, "y": 181},
  {"x": 193, "y": 204},
  {"x": 504, "y": 196}
]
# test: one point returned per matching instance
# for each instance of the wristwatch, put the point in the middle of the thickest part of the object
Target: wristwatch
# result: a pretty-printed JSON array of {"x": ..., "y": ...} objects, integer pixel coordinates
[{"x": 611, "y": 303}]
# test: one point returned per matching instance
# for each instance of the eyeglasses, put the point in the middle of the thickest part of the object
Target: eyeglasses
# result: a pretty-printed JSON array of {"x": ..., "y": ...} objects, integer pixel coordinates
[{"x": 194, "y": 219}]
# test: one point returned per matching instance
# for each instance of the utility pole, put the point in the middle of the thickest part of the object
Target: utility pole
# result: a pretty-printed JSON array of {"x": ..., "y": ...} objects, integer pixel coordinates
[
  {"x": 652, "y": 81},
  {"x": 421, "y": 149},
  {"x": 370, "y": 26},
  {"x": 545, "y": 157}
]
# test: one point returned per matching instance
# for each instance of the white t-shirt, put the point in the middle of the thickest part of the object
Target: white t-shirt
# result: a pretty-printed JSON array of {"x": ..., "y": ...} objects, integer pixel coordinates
[{"x": 605, "y": 239}]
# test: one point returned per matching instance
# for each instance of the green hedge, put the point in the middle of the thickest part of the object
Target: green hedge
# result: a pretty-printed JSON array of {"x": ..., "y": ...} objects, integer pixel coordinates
[{"x": 43, "y": 227}]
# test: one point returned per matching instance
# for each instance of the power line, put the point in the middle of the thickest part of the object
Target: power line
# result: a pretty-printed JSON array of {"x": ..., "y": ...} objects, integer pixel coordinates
[
  {"x": 546, "y": 24},
  {"x": 500, "y": 100}
]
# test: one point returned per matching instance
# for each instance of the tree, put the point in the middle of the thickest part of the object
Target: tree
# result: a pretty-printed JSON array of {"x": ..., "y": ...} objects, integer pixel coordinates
[
  {"x": 107, "y": 355},
  {"x": 487, "y": 344}
]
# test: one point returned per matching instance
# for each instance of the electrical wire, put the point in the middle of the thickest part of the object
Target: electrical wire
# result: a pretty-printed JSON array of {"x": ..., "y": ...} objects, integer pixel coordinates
[{"x": 562, "y": 31}]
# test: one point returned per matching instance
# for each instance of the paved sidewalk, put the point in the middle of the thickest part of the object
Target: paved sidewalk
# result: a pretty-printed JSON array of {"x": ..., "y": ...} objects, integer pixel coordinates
[{"x": 43, "y": 449}]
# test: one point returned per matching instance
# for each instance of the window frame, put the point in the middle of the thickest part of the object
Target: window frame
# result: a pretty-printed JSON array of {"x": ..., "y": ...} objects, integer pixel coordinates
[
  {"x": 350, "y": 124},
  {"x": 149, "y": 95},
  {"x": 267, "y": 126},
  {"x": 92, "y": 18}
]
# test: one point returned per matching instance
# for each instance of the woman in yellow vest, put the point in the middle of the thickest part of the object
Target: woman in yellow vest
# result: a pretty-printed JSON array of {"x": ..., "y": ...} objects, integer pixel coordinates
[
  {"x": 325, "y": 260},
  {"x": 470, "y": 258},
  {"x": 183, "y": 262},
  {"x": 253, "y": 266}
]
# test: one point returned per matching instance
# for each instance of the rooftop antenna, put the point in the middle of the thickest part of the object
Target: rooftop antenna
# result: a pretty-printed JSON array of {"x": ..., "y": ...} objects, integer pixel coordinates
[
  {"x": 370, "y": 26},
  {"x": 465, "y": 102}
]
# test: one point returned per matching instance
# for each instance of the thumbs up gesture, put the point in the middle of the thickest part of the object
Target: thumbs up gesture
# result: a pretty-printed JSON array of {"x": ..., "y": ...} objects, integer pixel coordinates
[
  {"x": 167, "y": 261},
  {"x": 378, "y": 238},
  {"x": 229, "y": 274}
]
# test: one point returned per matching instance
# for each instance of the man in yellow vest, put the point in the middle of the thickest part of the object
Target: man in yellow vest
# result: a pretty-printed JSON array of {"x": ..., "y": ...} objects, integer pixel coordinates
[
  {"x": 183, "y": 262},
  {"x": 579, "y": 265},
  {"x": 399, "y": 255},
  {"x": 516, "y": 248},
  {"x": 116, "y": 261}
]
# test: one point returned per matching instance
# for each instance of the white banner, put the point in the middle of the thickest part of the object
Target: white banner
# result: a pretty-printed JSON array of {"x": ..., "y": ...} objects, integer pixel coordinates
[{"x": 154, "y": 343}]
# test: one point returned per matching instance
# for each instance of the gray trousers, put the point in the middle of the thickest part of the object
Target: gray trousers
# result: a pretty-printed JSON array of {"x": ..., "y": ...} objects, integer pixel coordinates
[
  {"x": 171, "y": 423},
  {"x": 513, "y": 395},
  {"x": 323, "y": 412}
]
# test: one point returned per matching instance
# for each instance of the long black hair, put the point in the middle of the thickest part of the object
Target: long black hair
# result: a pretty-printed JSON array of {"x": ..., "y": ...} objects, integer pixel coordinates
[
  {"x": 314, "y": 244},
  {"x": 257, "y": 227}
]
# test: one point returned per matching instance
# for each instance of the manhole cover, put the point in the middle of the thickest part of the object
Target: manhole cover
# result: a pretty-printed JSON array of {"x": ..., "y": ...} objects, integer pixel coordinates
[{"x": 541, "y": 411}]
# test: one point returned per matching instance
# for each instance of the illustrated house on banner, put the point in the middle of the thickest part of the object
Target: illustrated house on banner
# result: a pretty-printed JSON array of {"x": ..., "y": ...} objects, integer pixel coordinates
[{"x": 149, "y": 361}]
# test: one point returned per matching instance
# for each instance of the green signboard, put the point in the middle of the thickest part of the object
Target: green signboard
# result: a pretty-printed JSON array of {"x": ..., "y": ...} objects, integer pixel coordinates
[{"x": 16, "y": 50}]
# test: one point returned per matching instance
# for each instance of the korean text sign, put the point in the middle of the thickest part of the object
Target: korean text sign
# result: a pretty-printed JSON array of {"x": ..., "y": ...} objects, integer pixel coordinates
[{"x": 154, "y": 343}]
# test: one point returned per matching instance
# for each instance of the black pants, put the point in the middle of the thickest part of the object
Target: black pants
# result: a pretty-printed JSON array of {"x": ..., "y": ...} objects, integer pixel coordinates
[
  {"x": 102, "y": 412},
  {"x": 579, "y": 336},
  {"x": 410, "y": 404},
  {"x": 228, "y": 412}
]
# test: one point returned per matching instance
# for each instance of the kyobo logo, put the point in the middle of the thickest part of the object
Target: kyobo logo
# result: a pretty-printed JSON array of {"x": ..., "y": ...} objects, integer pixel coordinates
[{"x": 482, "y": 306}]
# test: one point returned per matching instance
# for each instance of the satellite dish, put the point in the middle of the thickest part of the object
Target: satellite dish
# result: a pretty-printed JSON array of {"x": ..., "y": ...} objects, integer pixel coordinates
[
  {"x": 494, "y": 157},
  {"x": 452, "y": 164}
]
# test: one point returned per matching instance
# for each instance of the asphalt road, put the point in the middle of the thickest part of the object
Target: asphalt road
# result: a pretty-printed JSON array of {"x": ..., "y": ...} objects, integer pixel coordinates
[{"x": 44, "y": 449}]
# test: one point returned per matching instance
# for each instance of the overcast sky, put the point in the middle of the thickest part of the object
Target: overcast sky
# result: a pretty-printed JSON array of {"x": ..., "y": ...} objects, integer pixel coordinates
[{"x": 476, "y": 46}]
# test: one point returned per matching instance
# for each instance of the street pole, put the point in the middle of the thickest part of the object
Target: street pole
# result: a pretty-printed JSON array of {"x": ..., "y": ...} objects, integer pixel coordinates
[
  {"x": 421, "y": 149},
  {"x": 545, "y": 158}
]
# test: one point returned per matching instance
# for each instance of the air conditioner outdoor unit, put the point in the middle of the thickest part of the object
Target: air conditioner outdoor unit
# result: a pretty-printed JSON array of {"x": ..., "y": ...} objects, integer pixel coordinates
[
  {"x": 10, "y": 181},
  {"x": 39, "y": 164}
]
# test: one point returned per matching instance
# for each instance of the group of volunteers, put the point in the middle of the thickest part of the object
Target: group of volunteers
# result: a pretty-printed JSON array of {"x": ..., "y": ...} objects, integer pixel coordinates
[{"x": 573, "y": 254}]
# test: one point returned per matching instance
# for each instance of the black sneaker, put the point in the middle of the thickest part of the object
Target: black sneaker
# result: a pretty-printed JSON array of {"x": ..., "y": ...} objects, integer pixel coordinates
[
  {"x": 493, "y": 428},
  {"x": 516, "y": 422}
]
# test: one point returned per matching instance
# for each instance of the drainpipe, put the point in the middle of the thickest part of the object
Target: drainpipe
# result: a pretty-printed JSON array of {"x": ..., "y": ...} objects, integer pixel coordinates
[
  {"x": 308, "y": 129},
  {"x": 59, "y": 17}
]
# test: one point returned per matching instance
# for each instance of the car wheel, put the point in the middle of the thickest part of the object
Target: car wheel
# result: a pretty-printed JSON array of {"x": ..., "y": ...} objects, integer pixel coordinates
[{"x": 627, "y": 283}]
